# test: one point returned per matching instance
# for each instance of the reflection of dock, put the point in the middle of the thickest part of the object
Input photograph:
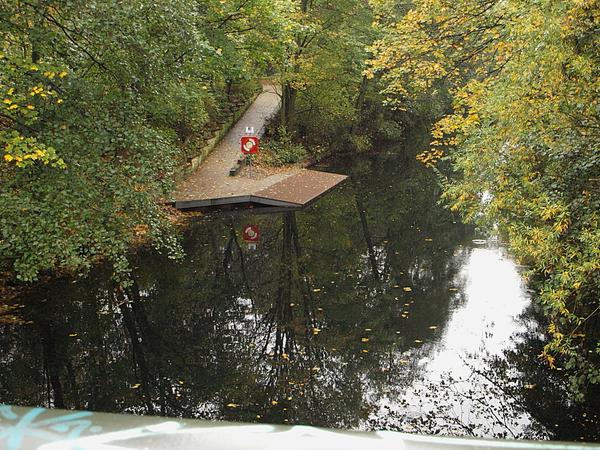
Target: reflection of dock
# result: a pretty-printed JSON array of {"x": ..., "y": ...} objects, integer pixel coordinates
[
  {"x": 211, "y": 185},
  {"x": 293, "y": 190}
]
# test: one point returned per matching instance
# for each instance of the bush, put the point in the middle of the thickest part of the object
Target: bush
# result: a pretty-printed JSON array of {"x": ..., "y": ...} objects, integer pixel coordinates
[{"x": 283, "y": 151}]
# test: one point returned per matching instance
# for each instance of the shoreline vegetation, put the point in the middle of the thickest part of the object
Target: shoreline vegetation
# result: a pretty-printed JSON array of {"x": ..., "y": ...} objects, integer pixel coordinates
[{"x": 103, "y": 102}]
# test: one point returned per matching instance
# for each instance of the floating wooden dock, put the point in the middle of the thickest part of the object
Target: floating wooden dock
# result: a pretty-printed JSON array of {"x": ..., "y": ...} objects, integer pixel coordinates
[
  {"x": 296, "y": 190},
  {"x": 211, "y": 184}
]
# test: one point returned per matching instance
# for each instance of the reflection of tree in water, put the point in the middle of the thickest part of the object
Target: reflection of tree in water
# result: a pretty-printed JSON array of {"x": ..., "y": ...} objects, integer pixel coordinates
[
  {"x": 314, "y": 327},
  {"x": 513, "y": 395}
]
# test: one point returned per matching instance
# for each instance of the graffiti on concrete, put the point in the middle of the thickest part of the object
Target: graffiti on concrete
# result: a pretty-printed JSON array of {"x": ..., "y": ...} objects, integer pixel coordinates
[{"x": 37, "y": 424}]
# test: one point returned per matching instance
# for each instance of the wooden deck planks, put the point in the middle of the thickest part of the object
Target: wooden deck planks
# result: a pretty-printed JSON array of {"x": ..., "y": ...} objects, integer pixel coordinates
[
  {"x": 295, "y": 191},
  {"x": 301, "y": 189}
]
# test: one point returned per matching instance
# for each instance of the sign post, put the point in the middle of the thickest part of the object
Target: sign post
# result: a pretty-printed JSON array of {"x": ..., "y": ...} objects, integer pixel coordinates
[{"x": 250, "y": 145}]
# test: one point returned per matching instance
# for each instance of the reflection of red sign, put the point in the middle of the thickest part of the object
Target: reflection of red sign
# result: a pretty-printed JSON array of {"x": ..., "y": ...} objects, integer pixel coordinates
[
  {"x": 251, "y": 233},
  {"x": 250, "y": 145}
]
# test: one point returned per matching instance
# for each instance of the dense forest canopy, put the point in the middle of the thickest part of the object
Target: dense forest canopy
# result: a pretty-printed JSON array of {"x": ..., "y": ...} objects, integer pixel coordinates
[
  {"x": 522, "y": 139},
  {"x": 103, "y": 100}
]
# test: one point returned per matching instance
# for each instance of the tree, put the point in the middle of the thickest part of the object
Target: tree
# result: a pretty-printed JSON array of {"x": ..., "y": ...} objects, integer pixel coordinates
[
  {"x": 522, "y": 138},
  {"x": 99, "y": 100}
]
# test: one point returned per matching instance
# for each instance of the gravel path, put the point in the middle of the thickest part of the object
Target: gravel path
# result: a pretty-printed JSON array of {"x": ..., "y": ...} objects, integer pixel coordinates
[{"x": 211, "y": 180}]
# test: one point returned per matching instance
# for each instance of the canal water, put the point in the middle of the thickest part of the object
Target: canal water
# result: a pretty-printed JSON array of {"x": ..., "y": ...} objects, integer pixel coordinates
[{"x": 375, "y": 308}]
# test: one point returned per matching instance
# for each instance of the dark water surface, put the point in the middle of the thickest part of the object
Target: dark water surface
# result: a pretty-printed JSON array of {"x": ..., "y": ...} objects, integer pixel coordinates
[{"x": 372, "y": 309}]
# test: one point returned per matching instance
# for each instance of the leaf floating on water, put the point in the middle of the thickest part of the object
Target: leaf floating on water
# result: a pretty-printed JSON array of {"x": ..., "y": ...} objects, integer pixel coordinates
[
  {"x": 364, "y": 350},
  {"x": 368, "y": 329},
  {"x": 407, "y": 289},
  {"x": 72, "y": 334},
  {"x": 274, "y": 402},
  {"x": 403, "y": 361},
  {"x": 319, "y": 309},
  {"x": 315, "y": 369},
  {"x": 433, "y": 327},
  {"x": 317, "y": 290},
  {"x": 453, "y": 290},
  {"x": 181, "y": 382},
  {"x": 292, "y": 305},
  {"x": 316, "y": 331},
  {"x": 418, "y": 341},
  {"x": 135, "y": 386},
  {"x": 364, "y": 340},
  {"x": 529, "y": 386},
  {"x": 396, "y": 286},
  {"x": 258, "y": 416},
  {"x": 232, "y": 405}
]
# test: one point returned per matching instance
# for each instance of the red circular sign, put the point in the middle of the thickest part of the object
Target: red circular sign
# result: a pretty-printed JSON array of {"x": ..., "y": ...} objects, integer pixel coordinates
[
  {"x": 250, "y": 145},
  {"x": 251, "y": 233}
]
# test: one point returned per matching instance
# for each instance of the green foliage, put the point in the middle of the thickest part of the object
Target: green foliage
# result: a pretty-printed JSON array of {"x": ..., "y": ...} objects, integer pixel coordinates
[
  {"x": 98, "y": 99},
  {"x": 322, "y": 75},
  {"x": 283, "y": 150},
  {"x": 522, "y": 138}
]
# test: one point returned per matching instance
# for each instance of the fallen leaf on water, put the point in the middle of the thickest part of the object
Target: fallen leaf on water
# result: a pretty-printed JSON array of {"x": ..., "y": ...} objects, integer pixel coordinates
[
  {"x": 319, "y": 309},
  {"x": 315, "y": 369},
  {"x": 274, "y": 402},
  {"x": 317, "y": 290},
  {"x": 403, "y": 361},
  {"x": 135, "y": 386},
  {"x": 364, "y": 340},
  {"x": 72, "y": 334},
  {"x": 364, "y": 350},
  {"x": 368, "y": 329},
  {"x": 292, "y": 304},
  {"x": 418, "y": 341},
  {"x": 180, "y": 381},
  {"x": 428, "y": 239},
  {"x": 453, "y": 290},
  {"x": 407, "y": 289},
  {"x": 316, "y": 331},
  {"x": 432, "y": 327},
  {"x": 232, "y": 405},
  {"x": 529, "y": 386}
]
